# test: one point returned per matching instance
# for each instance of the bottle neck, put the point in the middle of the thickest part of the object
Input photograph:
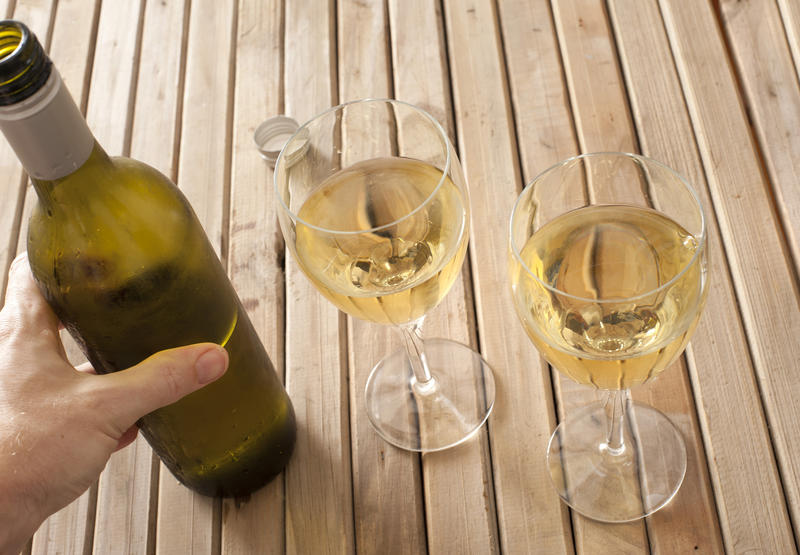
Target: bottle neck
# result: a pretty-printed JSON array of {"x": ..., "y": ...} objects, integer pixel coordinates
[{"x": 47, "y": 132}]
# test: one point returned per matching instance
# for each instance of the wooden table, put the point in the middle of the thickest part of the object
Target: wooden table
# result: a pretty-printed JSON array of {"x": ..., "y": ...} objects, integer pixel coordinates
[{"x": 710, "y": 89}]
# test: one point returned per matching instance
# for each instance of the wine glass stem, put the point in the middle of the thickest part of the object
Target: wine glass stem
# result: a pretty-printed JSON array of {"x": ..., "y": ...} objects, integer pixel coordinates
[
  {"x": 616, "y": 403},
  {"x": 415, "y": 349}
]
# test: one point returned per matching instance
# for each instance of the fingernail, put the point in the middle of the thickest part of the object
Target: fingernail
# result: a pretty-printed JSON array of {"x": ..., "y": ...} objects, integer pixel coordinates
[{"x": 210, "y": 365}]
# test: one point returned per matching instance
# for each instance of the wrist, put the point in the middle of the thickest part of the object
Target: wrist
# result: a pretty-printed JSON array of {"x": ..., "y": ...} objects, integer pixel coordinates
[
  {"x": 16, "y": 530},
  {"x": 19, "y": 516}
]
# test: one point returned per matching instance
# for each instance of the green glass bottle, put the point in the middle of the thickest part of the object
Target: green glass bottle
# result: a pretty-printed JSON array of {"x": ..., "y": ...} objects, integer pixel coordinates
[{"x": 121, "y": 257}]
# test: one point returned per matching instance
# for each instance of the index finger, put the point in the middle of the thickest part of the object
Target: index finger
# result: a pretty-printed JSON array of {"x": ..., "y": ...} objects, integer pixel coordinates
[{"x": 24, "y": 302}]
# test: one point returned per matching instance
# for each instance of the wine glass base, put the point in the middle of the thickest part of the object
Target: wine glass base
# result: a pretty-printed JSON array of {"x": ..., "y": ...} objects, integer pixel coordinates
[
  {"x": 622, "y": 487},
  {"x": 433, "y": 416}
]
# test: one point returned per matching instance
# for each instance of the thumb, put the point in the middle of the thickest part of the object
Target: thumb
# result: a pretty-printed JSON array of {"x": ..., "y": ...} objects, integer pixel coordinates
[{"x": 160, "y": 380}]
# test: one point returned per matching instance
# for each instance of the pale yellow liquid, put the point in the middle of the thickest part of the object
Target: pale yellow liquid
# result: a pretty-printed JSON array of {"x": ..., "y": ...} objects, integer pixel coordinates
[
  {"x": 610, "y": 253},
  {"x": 396, "y": 273}
]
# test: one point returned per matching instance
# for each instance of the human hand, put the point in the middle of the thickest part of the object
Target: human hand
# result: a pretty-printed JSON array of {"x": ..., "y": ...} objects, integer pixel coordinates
[{"x": 60, "y": 425}]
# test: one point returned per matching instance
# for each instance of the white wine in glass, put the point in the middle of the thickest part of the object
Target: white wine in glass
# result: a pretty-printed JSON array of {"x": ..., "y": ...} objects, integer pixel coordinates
[
  {"x": 610, "y": 292},
  {"x": 375, "y": 210},
  {"x": 391, "y": 274}
]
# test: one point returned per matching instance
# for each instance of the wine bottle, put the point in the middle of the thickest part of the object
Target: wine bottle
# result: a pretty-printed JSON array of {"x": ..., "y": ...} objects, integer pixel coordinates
[{"x": 120, "y": 256}]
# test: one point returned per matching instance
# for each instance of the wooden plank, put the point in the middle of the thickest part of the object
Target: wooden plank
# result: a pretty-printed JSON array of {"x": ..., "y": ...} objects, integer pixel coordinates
[
  {"x": 186, "y": 518},
  {"x": 590, "y": 38},
  {"x": 186, "y": 521},
  {"x": 73, "y": 45},
  {"x": 531, "y": 517},
  {"x": 112, "y": 85},
  {"x": 602, "y": 123},
  {"x": 69, "y": 530},
  {"x": 538, "y": 92},
  {"x": 155, "y": 118},
  {"x": 318, "y": 90},
  {"x": 319, "y": 506},
  {"x": 772, "y": 94},
  {"x": 124, "y": 513},
  {"x": 459, "y": 496},
  {"x": 718, "y": 355},
  {"x": 790, "y": 13},
  {"x": 602, "y": 116},
  {"x": 255, "y": 247},
  {"x": 420, "y": 66},
  {"x": 363, "y": 50},
  {"x": 205, "y": 145},
  {"x": 388, "y": 488},
  {"x": 761, "y": 274},
  {"x": 545, "y": 133}
]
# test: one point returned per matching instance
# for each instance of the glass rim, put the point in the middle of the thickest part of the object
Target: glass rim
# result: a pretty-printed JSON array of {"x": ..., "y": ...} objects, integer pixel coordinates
[
  {"x": 701, "y": 239},
  {"x": 303, "y": 128}
]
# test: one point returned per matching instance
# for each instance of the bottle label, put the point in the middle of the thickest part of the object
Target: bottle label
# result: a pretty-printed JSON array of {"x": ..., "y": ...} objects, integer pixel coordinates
[{"x": 47, "y": 131}]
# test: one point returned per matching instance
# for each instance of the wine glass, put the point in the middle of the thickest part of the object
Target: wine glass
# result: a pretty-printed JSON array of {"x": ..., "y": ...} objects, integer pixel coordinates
[
  {"x": 608, "y": 272},
  {"x": 374, "y": 208}
]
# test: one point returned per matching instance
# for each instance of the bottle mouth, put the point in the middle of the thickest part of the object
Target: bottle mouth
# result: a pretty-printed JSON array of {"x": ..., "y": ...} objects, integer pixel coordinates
[
  {"x": 10, "y": 39},
  {"x": 24, "y": 66}
]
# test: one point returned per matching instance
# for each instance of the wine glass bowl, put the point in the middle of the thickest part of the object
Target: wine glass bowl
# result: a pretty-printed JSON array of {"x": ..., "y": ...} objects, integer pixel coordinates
[
  {"x": 608, "y": 272},
  {"x": 375, "y": 210},
  {"x": 394, "y": 253}
]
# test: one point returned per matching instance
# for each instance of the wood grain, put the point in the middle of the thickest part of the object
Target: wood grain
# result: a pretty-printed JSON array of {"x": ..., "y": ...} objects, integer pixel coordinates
[
  {"x": 205, "y": 142},
  {"x": 154, "y": 126},
  {"x": 113, "y": 76},
  {"x": 761, "y": 275},
  {"x": 255, "y": 250},
  {"x": 539, "y": 96},
  {"x": 126, "y": 505},
  {"x": 763, "y": 60},
  {"x": 456, "y": 492},
  {"x": 709, "y": 88},
  {"x": 530, "y": 516},
  {"x": 546, "y": 135},
  {"x": 459, "y": 493},
  {"x": 69, "y": 530},
  {"x": 319, "y": 509},
  {"x": 726, "y": 394},
  {"x": 73, "y": 45},
  {"x": 388, "y": 487},
  {"x": 420, "y": 67},
  {"x": 603, "y": 122},
  {"x": 187, "y": 522},
  {"x": 790, "y": 13}
]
